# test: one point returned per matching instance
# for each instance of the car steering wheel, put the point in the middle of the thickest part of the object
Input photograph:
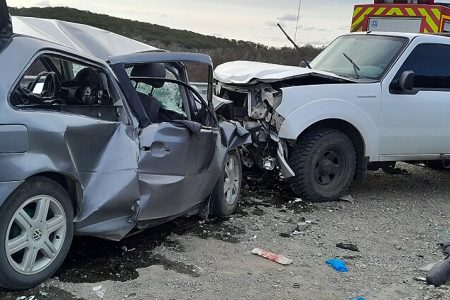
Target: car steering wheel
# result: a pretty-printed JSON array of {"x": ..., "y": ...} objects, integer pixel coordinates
[{"x": 51, "y": 86}]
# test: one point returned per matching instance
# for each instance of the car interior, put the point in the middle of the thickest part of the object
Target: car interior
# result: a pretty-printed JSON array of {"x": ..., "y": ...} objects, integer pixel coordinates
[
  {"x": 163, "y": 101},
  {"x": 56, "y": 83}
]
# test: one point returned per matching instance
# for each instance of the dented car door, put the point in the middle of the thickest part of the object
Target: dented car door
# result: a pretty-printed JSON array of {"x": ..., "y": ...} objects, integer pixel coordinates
[
  {"x": 180, "y": 159},
  {"x": 177, "y": 168}
]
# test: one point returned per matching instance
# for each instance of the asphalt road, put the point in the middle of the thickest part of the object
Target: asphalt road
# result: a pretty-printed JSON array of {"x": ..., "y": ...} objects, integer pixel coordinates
[{"x": 396, "y": 222}]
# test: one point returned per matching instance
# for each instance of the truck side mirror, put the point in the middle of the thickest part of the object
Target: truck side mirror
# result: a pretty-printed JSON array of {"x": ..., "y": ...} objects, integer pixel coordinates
[
  {"x": 404, "y": 84},
  {"x": 406, "y": 81}
]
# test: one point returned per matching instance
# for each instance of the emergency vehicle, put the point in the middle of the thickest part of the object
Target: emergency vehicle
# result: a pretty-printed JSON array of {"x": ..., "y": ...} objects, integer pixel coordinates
[{"x": 416, "y": 16}]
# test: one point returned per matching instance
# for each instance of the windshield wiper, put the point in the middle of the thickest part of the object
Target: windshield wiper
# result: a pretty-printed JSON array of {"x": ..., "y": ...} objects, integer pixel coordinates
[{"x": 355, "y": 66}]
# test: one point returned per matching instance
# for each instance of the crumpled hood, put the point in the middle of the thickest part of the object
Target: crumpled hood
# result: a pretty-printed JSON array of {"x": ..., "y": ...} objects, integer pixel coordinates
[{"x": 249, "y": 72}]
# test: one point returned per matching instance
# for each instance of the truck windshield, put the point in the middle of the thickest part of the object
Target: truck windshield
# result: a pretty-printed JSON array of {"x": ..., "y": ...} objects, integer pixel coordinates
[{"x": 359, "y": 56}]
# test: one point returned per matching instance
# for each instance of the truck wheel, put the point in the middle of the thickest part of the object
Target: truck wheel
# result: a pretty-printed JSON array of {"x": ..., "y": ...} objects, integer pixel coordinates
[
  {"x": 225, "y": 196},
  {"x": 36, "y": 230},
  {"x": 324, "y": 161}
]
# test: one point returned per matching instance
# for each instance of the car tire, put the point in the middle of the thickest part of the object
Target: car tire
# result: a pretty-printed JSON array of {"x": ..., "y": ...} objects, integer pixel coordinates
[
  {"x": 324, "y": 161},
  {"x": 36, "y": 231},
  {"x": 225, "y": 197}
]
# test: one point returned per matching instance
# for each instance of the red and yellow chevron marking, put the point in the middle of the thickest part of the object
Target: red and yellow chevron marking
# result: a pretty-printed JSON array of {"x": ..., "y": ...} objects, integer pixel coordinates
[{"x": 431, "y": 15}]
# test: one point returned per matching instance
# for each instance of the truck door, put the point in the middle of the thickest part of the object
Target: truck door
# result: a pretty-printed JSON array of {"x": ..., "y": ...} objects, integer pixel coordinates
[{"x": 417, "y": 123}]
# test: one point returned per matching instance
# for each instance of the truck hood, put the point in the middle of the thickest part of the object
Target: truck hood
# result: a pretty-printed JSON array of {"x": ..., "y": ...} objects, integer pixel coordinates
[{"x": 250, "y": 72}]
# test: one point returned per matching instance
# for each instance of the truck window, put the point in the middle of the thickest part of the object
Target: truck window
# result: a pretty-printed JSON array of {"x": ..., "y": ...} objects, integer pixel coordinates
[{"x": 431, "y": 66}]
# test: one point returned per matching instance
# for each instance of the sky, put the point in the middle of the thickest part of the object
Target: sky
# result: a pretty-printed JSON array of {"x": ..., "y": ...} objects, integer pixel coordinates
[{"x": 253, "y": 20}]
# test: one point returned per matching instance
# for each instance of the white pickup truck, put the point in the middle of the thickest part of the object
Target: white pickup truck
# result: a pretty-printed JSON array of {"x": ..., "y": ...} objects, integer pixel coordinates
[{"x": 368, "y": 100}]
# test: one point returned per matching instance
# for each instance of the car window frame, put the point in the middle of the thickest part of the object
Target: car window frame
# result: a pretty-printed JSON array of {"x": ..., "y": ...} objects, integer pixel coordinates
[{"x": 112, "y": 80}]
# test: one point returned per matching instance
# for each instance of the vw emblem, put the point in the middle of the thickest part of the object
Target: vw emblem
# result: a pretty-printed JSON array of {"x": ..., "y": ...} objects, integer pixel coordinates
[{"x": 37, "y": 234}]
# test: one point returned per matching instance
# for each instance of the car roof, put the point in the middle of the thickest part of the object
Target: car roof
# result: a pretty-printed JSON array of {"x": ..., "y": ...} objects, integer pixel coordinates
[{"x": 91, "y": 41}]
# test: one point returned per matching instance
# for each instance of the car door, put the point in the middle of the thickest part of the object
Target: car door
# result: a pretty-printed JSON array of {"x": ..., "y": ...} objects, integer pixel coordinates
[
  {"x": 416, "y": 124},
  {"x": 179, "y": 161}
]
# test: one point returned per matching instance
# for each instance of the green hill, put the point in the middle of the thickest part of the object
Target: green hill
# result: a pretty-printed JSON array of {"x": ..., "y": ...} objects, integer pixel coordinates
[{"x": 220, "y": 49}]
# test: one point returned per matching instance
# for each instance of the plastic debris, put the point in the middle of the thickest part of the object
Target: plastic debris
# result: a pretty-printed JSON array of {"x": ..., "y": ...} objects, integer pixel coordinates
[
  {"x": 348, "y": 198},
  {"x": 99, "y": 291},
  {"x": 358, "y": 298},
  {"x": 348, "y": 246},
  {"x": 420, "y": 279},
  {"x": 278, "y": 258},
  {"x": 440, "y": 273},
  {"x": 43, "y": 294},
  {"x": 337, "y": 264}
]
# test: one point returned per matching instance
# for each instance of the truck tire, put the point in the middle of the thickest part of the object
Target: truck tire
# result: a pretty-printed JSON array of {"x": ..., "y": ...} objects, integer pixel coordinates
[
  {"x": 36, "y": 231},
  {"x": 324, "y": 161}
]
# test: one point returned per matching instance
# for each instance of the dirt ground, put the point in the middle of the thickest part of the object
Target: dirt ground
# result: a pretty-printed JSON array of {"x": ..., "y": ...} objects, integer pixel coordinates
[{"x": 396, "y": 222}]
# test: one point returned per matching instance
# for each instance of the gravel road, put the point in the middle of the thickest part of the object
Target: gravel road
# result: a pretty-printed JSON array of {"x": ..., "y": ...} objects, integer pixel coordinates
[{"x": 396, "y": 222}]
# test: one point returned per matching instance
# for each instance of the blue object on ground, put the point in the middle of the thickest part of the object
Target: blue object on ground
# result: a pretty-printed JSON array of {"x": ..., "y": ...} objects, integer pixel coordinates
[
  {"x": 337, "y": 264},
  {"x": 359, "y": 298}
]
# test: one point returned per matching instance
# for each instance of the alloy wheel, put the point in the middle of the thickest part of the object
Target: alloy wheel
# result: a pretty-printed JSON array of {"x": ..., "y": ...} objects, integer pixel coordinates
[{"x": 35, "y": 234}]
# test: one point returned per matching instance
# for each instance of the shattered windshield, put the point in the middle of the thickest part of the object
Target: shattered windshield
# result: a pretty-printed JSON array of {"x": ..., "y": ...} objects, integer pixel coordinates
[{"x": 359, "y": 56}]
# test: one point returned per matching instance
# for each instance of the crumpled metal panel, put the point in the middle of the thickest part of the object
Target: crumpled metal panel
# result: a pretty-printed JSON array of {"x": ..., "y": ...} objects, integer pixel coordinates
[
  {"x": 90, "y": 40},
  {"x": 107, "y": 172}
]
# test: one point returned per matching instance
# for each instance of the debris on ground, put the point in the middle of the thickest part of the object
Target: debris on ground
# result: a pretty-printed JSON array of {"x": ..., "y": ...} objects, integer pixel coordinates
[
  {"x": 258, "y": 211},
  {"x": 358, "y": 298},
  {"x": 395, "y": 171},
  {"x": 285, "y": 234},
  {"x": 348, "y": 246},
  {"x": 337, "y": 264},
  {"x": 278, "y": 258},
  {"x": 420, "y": 279},
  {"x": 99, "y": 291},
  {"x": 302, "y": 226},
  {"x": 299, "y": 229},
  {"x": 440, "y": 273},
  {"x": 43, "y": 294},
  {"x": 348, "y": 198}
]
